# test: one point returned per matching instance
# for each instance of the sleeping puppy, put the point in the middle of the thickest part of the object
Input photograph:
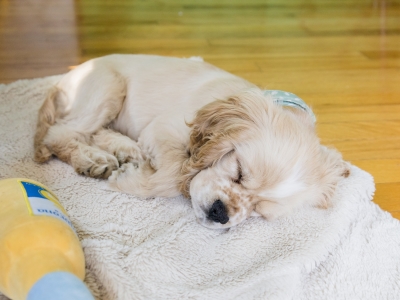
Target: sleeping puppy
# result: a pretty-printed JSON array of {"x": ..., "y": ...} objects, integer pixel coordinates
[{"x": 161, "y": 126}]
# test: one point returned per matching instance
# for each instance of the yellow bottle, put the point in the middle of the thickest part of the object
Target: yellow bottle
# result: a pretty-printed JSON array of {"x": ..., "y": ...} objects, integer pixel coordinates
[{"x": 40, "y": 254}]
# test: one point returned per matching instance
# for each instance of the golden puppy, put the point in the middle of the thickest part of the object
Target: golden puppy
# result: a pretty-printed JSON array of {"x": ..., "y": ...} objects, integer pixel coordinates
[{"x": 161, "y": 126}]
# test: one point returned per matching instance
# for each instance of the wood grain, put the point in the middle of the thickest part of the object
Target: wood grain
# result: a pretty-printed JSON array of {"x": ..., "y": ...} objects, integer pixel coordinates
[
  {"x": 37, "y": 38},
  {"x": 342, "y": 57}
]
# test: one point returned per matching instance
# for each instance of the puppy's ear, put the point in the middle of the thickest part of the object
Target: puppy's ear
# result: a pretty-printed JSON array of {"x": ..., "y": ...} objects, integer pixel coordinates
[{"x": 214, "y": 131}]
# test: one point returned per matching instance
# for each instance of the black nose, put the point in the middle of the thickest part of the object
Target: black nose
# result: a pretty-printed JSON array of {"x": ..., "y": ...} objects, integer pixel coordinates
[{"x": 218, "y": 213}]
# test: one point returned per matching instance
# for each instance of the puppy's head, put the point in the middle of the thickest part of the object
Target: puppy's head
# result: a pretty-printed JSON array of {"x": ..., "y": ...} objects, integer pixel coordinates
[{"x": 248, "y": 155}]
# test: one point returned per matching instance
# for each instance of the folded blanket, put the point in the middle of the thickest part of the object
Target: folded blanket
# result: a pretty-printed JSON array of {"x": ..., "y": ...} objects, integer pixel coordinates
[{"x": 154, "y": 249}]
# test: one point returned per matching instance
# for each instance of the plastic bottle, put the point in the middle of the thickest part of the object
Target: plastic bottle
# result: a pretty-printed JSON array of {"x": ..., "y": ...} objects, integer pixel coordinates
[{"x": 40, "y": 254}]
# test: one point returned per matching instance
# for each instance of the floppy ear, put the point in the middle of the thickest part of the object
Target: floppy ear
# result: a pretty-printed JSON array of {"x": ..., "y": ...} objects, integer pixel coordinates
[
  {"x": 330, "y": 170},
  {"x": 214, "y": 130}
]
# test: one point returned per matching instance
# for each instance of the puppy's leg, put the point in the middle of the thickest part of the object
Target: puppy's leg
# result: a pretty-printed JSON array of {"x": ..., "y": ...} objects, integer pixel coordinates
[
  {"x": 82, "y": 108},
  {"x": 144, "y": 181},
  {"x": 122, "y": 147},
  {"x": 164, "y": 151},
  {"x": 72, "y": 147}
]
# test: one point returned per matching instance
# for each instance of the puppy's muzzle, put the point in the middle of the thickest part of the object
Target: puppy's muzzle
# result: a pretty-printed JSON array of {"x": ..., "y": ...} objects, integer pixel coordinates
[{"x": 218, "y": 212}]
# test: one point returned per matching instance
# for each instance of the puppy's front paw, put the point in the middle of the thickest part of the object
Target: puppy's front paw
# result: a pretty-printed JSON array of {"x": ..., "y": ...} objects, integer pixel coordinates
[
  {"x": 120, "y": 177},
  {"x": 128, "y": 155},
  {"x": 98, "y": 165},
  {"x": 131, "y": 178},
  {"x": 123, "y": 169}
]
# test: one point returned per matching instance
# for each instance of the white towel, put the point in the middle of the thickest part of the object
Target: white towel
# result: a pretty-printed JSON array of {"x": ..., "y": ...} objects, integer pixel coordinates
[{"x": 154, "y": 249}]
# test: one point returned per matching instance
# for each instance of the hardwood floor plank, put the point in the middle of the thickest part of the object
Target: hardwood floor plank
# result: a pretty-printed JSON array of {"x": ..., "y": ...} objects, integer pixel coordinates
[
  {"x": 355, "y": 61},
  {"x": 376, "y": 149},
  {"x": 395, "y": 214},
  {"x": 319, "y": 45},
  {"x": 358, "y": 113},
  {"x": 383, "y": 170},
  {"x": 37, "y": 38},
  {"x": 384, "y": 195},
  {"x": 329, "y": 132}
]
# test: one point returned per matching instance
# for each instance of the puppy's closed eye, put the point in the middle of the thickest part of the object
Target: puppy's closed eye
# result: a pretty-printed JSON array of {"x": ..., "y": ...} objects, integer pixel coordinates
[
  {"x": 239, "y": 176},
  {"x": 188, "y": 153}
]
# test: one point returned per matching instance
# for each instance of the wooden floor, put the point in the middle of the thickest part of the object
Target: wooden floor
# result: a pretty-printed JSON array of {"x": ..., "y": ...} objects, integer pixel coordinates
[{"x": 341, "y": 56}]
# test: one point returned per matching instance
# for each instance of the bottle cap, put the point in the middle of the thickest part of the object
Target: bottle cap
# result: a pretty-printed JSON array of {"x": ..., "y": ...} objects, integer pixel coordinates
[{"x": 60, "y": 286}]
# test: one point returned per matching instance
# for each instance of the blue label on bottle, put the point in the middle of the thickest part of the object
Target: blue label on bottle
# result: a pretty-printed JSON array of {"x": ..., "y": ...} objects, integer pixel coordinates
[{"x": 42, "y": 202}]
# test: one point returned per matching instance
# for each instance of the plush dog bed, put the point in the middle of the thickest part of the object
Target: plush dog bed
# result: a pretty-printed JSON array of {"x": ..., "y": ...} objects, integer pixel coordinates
[{"x": 154, "y": 249}]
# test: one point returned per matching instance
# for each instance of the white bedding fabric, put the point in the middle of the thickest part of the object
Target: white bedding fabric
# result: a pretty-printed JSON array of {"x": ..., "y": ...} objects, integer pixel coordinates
[{"x": 154, "y": 249}]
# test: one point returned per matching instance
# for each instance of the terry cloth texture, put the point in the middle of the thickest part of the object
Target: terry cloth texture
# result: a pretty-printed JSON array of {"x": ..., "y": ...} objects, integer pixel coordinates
[{"x": 154, "y": 249}]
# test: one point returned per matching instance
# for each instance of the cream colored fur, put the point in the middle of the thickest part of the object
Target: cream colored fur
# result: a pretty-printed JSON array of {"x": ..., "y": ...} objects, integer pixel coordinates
[{"x": 159, "y": 126}]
